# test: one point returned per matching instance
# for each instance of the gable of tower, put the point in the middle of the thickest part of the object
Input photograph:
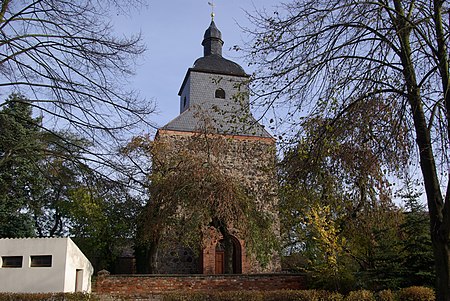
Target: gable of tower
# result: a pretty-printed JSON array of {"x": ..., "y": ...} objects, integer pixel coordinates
[
  {"x": 200, "y": 106},
  {"x": 214, "y": 94}
]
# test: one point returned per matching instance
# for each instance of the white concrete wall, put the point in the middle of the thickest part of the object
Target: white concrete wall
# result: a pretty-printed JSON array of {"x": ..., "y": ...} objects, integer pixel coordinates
[
  {"x": 76, "y": 260},
  {"x": 41, "y": 279}
]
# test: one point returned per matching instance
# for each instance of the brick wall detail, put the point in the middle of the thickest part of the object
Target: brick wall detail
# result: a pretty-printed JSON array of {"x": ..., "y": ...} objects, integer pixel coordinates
[{"x": 156, "y": 284}]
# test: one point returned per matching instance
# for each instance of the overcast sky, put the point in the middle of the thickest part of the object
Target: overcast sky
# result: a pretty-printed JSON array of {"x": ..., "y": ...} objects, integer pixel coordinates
[{"x": 173, "y": 32}]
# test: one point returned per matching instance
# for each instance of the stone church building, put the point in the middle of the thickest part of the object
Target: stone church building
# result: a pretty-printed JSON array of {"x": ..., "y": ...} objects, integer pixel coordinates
[{"x": 214, "y": 97}]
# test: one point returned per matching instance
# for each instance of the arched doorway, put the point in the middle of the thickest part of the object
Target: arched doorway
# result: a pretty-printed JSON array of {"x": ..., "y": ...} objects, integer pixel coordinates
[{"x": 221, "y": 256}]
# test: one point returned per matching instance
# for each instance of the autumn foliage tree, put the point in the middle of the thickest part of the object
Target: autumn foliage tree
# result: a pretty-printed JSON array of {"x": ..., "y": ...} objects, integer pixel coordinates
[
  {"x": 334, "y": 195},
  {"x": 189, "y": 192},
  {"x": 325, "y": 57}
]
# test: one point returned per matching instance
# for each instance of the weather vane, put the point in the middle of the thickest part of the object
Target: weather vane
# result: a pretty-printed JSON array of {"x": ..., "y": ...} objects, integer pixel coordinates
[{"x": 212, "y": 4}]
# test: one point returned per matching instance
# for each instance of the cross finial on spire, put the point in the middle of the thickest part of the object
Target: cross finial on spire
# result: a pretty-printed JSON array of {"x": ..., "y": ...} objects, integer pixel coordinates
[{"x": 212, "y": 4}]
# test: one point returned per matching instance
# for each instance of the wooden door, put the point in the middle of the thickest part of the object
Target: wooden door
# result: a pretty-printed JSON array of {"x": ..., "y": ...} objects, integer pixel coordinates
[{"x": 220, "y": 262}]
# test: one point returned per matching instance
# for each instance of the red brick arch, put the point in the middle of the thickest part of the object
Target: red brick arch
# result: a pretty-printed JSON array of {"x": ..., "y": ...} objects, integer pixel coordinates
[{"x": 208, "y": 254}]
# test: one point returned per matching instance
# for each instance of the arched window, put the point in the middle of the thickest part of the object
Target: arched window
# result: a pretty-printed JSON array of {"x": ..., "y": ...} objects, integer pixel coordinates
[{"x": 220, "y": 93}]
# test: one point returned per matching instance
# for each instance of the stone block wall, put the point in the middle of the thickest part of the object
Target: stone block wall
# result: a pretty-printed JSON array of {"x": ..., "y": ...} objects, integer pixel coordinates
[
  {"x": 140, "y": 285},
  {"x": 177, "y": 260}
]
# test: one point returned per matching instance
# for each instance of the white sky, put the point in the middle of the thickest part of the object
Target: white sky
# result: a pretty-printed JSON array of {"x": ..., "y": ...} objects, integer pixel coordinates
[{"x": 173, "y": 32}]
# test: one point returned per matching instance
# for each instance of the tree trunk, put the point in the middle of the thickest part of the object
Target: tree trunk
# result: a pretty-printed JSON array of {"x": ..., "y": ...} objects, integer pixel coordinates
[
  {"x": 146, "y": 257},
  {"x": 228, "y": 245},
  {"x": 441, "y": 227},
  {"x": 4, "y": 7},
  {"x": 438, "y": 216}
]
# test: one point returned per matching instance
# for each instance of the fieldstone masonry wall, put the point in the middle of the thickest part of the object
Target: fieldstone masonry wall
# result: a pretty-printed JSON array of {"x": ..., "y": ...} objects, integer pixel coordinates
[
  {"x": 177, "y": 260},
  {"x": 252, "y": 161}
]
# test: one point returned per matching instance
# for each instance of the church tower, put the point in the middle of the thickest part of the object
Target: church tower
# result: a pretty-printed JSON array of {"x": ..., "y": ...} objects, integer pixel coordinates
[
  {"x": 214, "y": 99},
  {"x": 219, "y": 88}
]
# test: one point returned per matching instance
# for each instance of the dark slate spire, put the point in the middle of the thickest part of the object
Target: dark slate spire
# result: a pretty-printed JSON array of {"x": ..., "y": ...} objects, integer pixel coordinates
[{"x": 212, "y": 41}]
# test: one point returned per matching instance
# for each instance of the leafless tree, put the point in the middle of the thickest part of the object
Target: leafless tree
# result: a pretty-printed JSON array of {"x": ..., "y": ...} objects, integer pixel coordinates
[
  {"x": 322, "y": 57},
  {"x": 64, "y": 57}
]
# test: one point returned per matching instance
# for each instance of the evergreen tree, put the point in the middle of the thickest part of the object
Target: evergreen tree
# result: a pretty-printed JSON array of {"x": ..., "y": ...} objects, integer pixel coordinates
[
  {"x": 419, "y": 260},
  {"x": 103, "y": 220},
  {"x": 19, "y": 156},
  {"x": 381, "y": 241}
]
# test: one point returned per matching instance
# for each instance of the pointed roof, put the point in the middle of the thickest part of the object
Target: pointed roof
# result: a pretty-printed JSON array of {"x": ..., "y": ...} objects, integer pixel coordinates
[
  {"x": 212, "y": 60},
  {"x": 212, "y": 32},
  {"x": 212, "y": 41}
]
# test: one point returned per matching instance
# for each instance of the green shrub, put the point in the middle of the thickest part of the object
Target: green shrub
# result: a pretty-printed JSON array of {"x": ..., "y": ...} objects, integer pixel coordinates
[
  {"x": 321, "y": 295},
  {"x": 240, "y": 296},
  {"x": 385, "y": 295},
  {"x": 332, "y": 296},
  {"x": 344, "y": 282},
  {"x": 361, "y": 295},
  {"x": 284, "y": 295},
  {"x": 47, "y": 297},
  {"x": 416, "y": 293},
  {"x": 185, "y": 297},
  {"x": 276, "y": 295}
]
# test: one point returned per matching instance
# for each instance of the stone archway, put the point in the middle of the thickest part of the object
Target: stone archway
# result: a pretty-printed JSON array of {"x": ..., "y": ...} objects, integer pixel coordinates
[{"x": 220, "y": 257}]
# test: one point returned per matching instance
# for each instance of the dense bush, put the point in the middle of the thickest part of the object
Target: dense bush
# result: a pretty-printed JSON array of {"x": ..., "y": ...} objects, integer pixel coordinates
[
  {"x": 362, "y": 295},
  {"x": 407, "y": 294},
  {"x": 344, "y": 281},
  {"x": 219, "y": 296},
  {"x": 47, "y": 297},
  {"x": 282, "y": 295},
  {"x": 385, "y": 295},
  {"x": 307, "y": 295},
  {"x": 416, "y": 293}
]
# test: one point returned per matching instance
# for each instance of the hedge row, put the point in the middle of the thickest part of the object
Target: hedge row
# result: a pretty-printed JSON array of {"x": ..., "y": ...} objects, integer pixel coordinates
[
  {"x": 414, "y": 293},
  {"x": 407, "y": 294}
]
